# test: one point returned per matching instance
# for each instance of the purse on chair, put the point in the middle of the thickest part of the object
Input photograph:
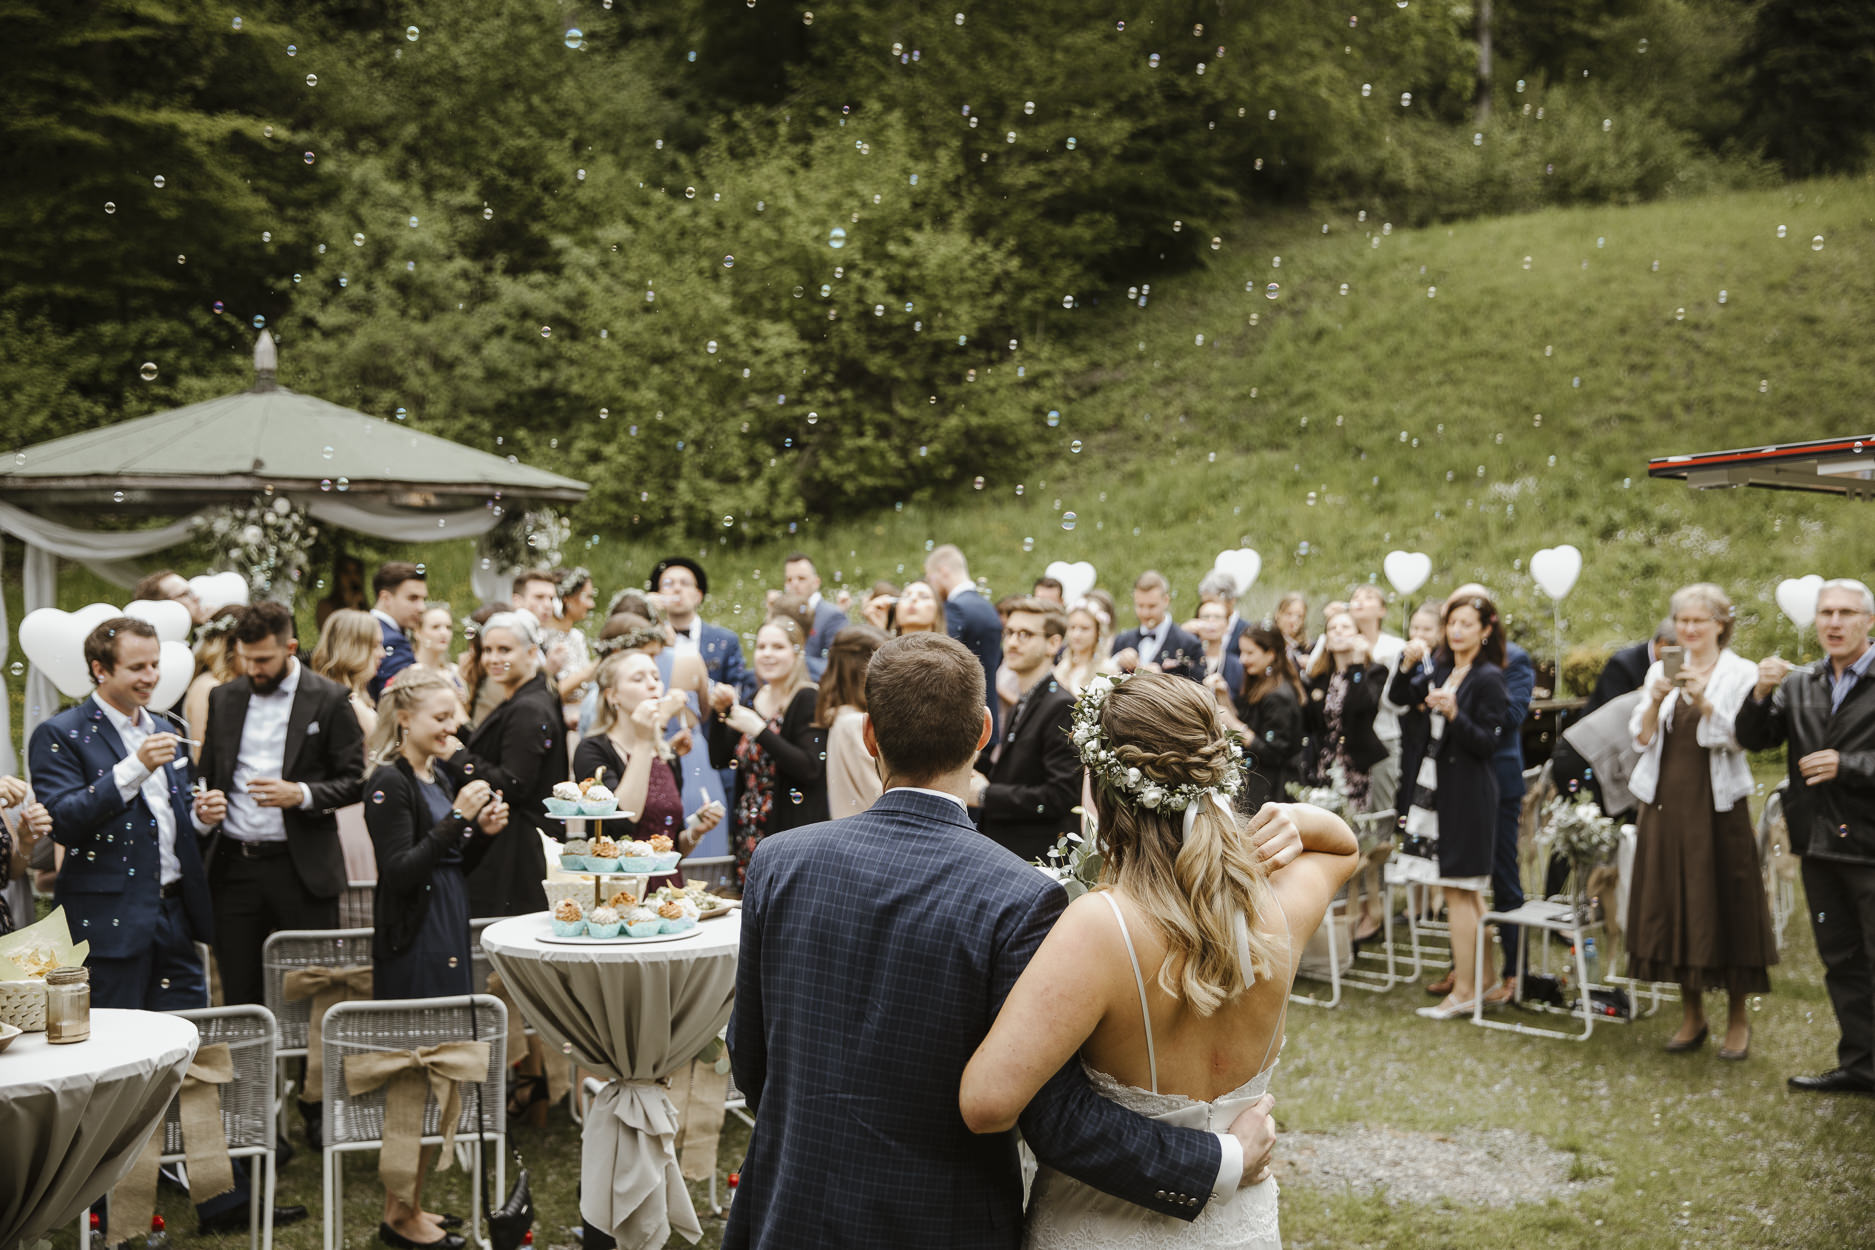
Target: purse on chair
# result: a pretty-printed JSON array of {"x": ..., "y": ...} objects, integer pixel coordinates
[{"x": 508, "y": 1226}]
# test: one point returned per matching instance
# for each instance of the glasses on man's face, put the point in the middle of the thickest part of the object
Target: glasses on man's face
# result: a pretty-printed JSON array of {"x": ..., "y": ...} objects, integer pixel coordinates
[
  {"x": 1683, "y": 621},
  {"x": 1839, "y": 614},
  {"x": 1020, "y": 635}
]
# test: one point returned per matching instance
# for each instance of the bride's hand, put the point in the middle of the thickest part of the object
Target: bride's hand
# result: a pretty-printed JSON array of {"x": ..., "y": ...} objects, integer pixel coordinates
[
  {"x": 1255, "y": 1128},
  {"x": 1273, "y": 832}
]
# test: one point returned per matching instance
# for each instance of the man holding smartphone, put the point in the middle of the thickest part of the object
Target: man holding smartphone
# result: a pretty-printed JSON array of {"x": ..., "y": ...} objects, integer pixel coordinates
[{"x": 1826, "y": 715}]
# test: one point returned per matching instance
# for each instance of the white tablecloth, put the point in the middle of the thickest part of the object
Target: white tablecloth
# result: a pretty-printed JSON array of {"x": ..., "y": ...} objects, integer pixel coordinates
[
  {"x": 74, "y": 1118},
  {"x": 634, "y": 1014}
]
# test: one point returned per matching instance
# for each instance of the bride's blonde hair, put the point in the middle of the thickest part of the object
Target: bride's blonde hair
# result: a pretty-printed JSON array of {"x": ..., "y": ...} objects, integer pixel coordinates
[{"x": 1190, "y": 886}]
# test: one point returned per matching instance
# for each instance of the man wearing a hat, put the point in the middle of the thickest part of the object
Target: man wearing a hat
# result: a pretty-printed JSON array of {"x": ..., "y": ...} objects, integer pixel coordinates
[{"x": 681, "y": 583}]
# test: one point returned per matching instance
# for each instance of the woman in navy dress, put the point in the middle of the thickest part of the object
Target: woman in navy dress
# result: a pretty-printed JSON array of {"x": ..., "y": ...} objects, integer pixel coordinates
[{"x": 427, "y": 833}]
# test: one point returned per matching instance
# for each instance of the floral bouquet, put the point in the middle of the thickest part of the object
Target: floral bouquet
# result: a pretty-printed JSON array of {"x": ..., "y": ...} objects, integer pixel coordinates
[
  {"x": 1076, "y": 860},
  {"x": 268, "y": 541},
  {"x": 1578, "y": 830}
]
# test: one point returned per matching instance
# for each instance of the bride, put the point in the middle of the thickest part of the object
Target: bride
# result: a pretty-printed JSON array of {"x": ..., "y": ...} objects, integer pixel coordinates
[{"x": 1171, "y": 979}]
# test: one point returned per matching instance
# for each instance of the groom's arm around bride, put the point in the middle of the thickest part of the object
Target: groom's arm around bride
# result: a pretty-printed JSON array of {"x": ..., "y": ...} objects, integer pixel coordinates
[{"x": 876, "y": 951}]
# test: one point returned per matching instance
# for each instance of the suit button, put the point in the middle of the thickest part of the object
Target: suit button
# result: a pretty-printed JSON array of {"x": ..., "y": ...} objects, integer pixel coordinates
[{"x": 1160, "y": 1195}]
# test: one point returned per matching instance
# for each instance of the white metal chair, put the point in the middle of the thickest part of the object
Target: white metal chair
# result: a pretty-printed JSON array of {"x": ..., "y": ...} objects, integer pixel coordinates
[
  {"x": 291, "y": 949},
  {"x": 247, "y": 1110},
  {"x": 357, "y": 1123}
]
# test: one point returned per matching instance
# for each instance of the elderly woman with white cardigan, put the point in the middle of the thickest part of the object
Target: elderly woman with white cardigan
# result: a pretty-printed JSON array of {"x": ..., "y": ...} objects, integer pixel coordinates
[{"x": 1697, "y": 913}]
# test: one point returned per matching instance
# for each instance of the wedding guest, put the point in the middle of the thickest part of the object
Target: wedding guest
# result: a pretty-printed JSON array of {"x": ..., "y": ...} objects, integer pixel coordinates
[
  {"x": 1028, "y": 781},
  {"x": 427, "y": 834},
  {"x": 436, "y": 630},
  {"x": 1697, "y": 912},
  {"x": 215, "y": 665},
  {"x": 284, "y": 745},
  {"x": 968, "y": 616},
  {"x": 1345, "y": 691},
  {"x": 169, "y": 584},
  {"x": 1086, "y": 654},
  {"x": 626, "y": 750},
  {"x": 401, "y": 591},
  {"x": 1265, "y": 706},
  {"x": 1292, "y": 621},
  {"x": 1050, "y": 590},
  {"x": 23, "y": 821},
  {"x": 778, "y": 753},
  {"x": 1212, "y": 628},
  {"x": 348, "y": 590},
  {"x": 569, "y": 658},
  {"x": 532, "y": 591},
  {"x": 681, "y": 586},
  {"x": 1825, "y": 715},
  {"x": 1427, "y": 625},
  {"x": 110, "y": 766},
  {"x": 483, "y": 696},
  {"x": 1626, "y": 670},
  {"x": 348, "y": 652},
  {"x": 852, "y": 774},
  {"x": 1157, "y": 642},
  {"x": 880, "y": 607},
  {"x": 802, "y": 579},
  {"x": 1221, "y": 588},
  {"x": 1464, "y": 693},
  {"x": 916, "y": 611},
  {"x": 1368, "y": 607},
  {"x": 519, "y": 750}
]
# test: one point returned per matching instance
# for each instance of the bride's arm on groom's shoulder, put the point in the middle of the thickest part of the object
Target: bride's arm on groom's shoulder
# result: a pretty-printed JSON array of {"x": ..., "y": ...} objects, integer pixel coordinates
[
  {"x": 1308, "y": 868},
  {"x": 1056, "y": 1002}
]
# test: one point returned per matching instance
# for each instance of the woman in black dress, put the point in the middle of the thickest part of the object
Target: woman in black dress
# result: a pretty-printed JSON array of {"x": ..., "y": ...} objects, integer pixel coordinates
[
  {"x": 426, "y": 833},
  {"x": 1465, "y": 697},
  {"x": 779, "y": 754},
  {"x": 1344, "y": 694},
  {"x": 520, "y": 750},
  {"x": 1266, "y": 707}
]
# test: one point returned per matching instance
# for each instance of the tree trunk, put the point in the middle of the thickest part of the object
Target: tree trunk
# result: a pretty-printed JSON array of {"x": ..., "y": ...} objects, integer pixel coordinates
[{"x": 1484, "y": 62}]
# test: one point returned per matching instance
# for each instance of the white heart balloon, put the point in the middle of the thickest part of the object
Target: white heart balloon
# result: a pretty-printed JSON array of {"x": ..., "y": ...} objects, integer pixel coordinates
[
  {"x": 218, "y": 590},
  {"x": 1076, "y": 579},
  {"x": 171, "y": 619},
  {"x": 1796, "y": 597},
  {"x": 1242, "y": 566},
  {"x": 1556, "y": 569},
  {"x": 1407, "y": 570},
  {"x": 55, "y": 644},
  {"x": 175, "y": 670}
]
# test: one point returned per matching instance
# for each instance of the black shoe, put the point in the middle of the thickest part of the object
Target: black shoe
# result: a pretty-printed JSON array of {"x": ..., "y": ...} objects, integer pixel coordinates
[
  {"x": 314, "y": 1115},
  {"x": 1677, "y": 1046},
  {"x": 391, "y": 1237},
  {"x": 283, "y": 1151},
  {"x": 1835, "y": 1081},
  {"x": 449, "y": 1221},
  {"x": 234, "y": 1220}
]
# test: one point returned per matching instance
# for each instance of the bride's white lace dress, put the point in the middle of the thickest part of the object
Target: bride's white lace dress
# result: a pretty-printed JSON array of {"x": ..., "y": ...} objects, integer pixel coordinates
[{"x": 1064, "y": 1214}]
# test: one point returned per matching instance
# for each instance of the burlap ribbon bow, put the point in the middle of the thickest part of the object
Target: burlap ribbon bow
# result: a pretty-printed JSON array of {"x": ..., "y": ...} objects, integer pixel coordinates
[
  {"x": 412, "y": 1076},
  {"x": 210, "y": 1170},
  {"x": 325, "y": 986}
]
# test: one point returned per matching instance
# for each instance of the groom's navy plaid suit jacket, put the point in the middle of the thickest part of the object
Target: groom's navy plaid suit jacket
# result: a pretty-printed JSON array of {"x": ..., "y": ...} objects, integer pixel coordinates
[{"x": 876, "y": 951}]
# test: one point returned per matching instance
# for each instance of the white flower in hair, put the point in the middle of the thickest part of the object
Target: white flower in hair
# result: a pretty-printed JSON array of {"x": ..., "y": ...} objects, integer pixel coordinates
[{"x": 1130, "y": 781}]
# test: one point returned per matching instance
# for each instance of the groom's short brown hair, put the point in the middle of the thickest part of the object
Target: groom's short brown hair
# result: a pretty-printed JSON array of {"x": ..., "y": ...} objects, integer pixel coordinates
[{"x": 924, "y": 693}]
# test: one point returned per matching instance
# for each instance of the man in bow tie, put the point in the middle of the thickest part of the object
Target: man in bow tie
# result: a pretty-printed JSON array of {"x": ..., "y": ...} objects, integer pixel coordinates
[{"x": 1157, "y": 643}]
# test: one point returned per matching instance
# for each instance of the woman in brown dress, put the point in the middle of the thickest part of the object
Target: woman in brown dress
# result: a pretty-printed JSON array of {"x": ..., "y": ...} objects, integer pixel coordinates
[{"x": 1698, "y": 914}]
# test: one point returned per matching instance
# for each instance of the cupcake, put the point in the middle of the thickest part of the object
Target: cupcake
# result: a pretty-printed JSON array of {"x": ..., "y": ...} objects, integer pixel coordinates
[
  {"x": 603, "y": 923},
  {"x": 664, "y": 851},
  {"x": 603, "y": 855},
  {"x": 642, "y": 922},
  {"x": 622, "y": 901},
  {"x": 573, "y": 853},
  {"x": 636, "y": 856},
  {"x": 568, "y": 918},
  {"x": 677, "y": 915},
  {"x": 598, "y": 801},
  {"x": 564, "y": 801}
]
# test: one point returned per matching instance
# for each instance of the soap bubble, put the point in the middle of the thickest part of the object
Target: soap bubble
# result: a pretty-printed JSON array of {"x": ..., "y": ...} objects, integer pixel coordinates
[
  {"x": 312, "y": 80},
  {"x": 836, "y": 237},
  {"x": 358, "y": 240},
  {"x": 1272, "y": 291},
  {"x": 217, "y": 307},
  {"x": 309, "y": 158},
  {"x": 1053, "y": 418},
  {"x": 1075, "y": 447},
  {"x": 411, "y": 33},
  {"x": 546, "y": 332},
  {"x": 575, "y": 38},
  {"x": 158, "y": 181},
  {"x": 109, "y": 207},
  {"x": 1406, "y": 99},
  {"x": 260, "y": 322},
  {"x": 1816, "y": 244},
  {"x": 1068, "y": 520},
  {"x": 148, "y": 374}
]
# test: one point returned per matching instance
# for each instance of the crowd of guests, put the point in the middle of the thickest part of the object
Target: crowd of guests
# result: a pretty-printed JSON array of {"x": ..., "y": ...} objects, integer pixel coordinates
[{"x": 381, "y": 756}]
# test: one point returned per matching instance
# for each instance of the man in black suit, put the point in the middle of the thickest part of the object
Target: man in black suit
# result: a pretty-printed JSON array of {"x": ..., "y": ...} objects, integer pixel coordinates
[
  {"x": 1027, "y": 783},
  {"x": 802, "y": 580},
  {"x": 968, "y": 616},
  {"x": 403, "y": 593},
  {"x": 283, "y": 743},
  {"x": 1157, "y": 642}
]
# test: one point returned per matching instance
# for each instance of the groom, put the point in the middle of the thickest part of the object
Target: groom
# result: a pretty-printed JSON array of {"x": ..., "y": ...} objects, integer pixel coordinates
[{"x": 876, "y": 951}]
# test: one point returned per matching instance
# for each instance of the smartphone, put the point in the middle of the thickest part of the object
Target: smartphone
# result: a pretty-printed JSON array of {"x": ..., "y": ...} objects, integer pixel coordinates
[{"x": 1671, "y": 660}]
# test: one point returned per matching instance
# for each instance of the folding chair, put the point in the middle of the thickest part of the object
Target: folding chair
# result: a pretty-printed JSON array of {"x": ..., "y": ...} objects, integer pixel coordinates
[
  {"x": 291, "y": 949},
  {"x": 357, "y": 1123}
]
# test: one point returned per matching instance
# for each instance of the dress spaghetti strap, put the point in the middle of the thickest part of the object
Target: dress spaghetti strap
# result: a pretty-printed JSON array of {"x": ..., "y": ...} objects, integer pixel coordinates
[
  {"x": 1243, "y": 954},
  {"x": 1139, "y": 983}
]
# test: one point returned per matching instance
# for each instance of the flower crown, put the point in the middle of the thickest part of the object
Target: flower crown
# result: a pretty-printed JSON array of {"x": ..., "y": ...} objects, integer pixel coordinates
[
  {"x": 570, "y": 584},
  {"x": 1097, "y": 754},
  {"x": 630, "y": 640},
  {"x": 217, "y": 625}
]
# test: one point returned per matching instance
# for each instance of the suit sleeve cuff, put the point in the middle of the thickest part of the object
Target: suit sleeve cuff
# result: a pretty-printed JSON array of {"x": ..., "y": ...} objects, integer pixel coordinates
[
  {"x": 1229, "y": 1168},
  {"x": 305, "y": 796},
  {"x": 130, "y": 774},
  {"x": 202, "y": 827}
]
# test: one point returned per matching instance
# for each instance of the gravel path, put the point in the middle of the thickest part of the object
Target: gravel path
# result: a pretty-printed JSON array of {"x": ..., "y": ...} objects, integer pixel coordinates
[{"x": 1495, "y": 1167}]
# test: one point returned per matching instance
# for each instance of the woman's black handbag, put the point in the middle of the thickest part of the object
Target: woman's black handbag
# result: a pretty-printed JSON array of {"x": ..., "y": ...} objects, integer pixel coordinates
[{"x": 509, "y": 1226}]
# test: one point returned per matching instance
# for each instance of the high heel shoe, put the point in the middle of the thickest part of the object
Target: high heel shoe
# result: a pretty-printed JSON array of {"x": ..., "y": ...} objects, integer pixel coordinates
[
  {"x": 391, "y": 1237},
  {"x": 1741, "y": 1054},
  {"x": 1692, "y": 1043}
]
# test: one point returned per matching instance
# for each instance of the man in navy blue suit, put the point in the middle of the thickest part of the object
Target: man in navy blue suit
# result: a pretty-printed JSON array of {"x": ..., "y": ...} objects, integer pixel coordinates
[
  {"x": 876, "y": 950},
  {"x": 403, "y": 593},
  {"x": 680, "y": 585},
  {"x": 1158, "y": 642},
  {"x": 968, "y": 616},
  {"x": 802, "y": 580}
]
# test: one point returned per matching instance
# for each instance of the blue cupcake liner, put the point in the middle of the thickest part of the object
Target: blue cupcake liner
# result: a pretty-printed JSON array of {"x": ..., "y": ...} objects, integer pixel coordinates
[
  {"x": 573, "y": 863},
  {"x": 563, "y": 807},
  {"x": 638, "y": 865},
  {"x": 676, "y": 926},
  {"x": 595, "y": 864},
  {"x": 667, "y": 860},
  {"x": 568, "y": 928},
  {"x": 602, "y": 930},
  {"x": 594, "y": 812},
  {"x": 645, "y": 928}
]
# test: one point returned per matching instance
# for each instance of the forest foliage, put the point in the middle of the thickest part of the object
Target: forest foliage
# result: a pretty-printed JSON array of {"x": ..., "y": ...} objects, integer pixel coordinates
[{"x": 741, "y": 263}]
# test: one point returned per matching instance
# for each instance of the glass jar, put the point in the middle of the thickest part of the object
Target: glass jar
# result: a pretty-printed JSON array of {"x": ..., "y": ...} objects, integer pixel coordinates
[{"x": 68, "y": 1005}]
